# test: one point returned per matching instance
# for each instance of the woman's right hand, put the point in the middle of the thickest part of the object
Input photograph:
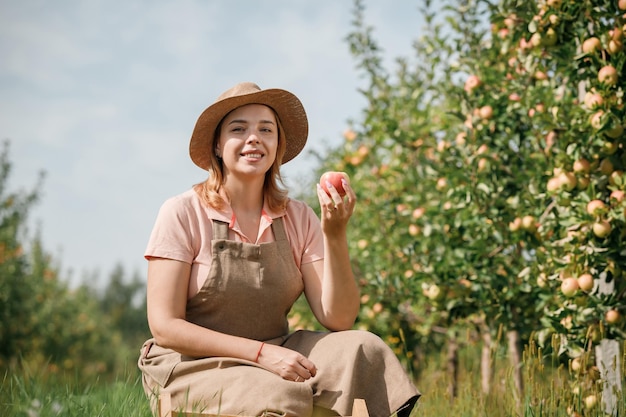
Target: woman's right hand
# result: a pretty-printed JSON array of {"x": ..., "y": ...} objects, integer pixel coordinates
[{"x": 286, "y": 363}]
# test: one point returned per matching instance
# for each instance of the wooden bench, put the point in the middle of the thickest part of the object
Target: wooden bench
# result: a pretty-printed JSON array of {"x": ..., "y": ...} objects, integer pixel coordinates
[{"x": 359, "y": 409}]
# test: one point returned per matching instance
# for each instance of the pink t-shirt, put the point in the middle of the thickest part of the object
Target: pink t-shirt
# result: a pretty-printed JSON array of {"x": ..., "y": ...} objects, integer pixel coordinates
[{"x": 183, "y": 231}]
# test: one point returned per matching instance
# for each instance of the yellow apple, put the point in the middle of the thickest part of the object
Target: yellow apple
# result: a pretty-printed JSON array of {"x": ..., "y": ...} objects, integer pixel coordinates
[
  {"x": 591, "y": 45},
  {"x": 612, "y": 316},
  {"x": 585, "y": 282},
  {"x": 569, "y": 287},
  {"x": 528, "y": 223},
  {"x": 601, "y": 228}
]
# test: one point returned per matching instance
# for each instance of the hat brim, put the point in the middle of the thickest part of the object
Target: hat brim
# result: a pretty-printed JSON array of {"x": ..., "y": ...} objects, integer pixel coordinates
[{"x": 287, "y": 106}]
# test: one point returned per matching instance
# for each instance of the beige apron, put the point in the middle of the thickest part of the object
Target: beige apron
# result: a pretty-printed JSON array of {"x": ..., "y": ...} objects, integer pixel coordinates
[{"x": 249, "y": 292}]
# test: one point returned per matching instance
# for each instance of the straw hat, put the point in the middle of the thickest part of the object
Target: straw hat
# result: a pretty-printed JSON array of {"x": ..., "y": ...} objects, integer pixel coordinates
[{"x": 291, "y": 116}]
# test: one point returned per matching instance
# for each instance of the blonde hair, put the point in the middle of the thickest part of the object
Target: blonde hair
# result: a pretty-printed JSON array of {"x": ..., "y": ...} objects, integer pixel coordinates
[{"x": 274, "y": 190}]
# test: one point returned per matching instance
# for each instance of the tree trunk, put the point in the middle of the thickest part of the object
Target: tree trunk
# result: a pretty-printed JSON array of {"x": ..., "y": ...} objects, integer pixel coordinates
[
  {"x": 515, "y": 358},
  {"x": 452, "y": 361},
  {"x": 486, "y": 372},
  {"x": 608, "y": 361}
]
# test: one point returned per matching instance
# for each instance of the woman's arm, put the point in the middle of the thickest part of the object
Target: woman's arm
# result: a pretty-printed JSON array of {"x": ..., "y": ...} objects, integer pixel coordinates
[
  {"x": 167, "y": 299},
  {"x": 330, "y": 286}
]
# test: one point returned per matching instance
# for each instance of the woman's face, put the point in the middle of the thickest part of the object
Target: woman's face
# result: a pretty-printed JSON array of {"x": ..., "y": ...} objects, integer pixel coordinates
[{"x": 248, "y": 140}]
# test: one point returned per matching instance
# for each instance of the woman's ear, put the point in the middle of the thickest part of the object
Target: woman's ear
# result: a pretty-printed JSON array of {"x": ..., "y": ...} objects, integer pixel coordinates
[{"x": 218, "y": 152}]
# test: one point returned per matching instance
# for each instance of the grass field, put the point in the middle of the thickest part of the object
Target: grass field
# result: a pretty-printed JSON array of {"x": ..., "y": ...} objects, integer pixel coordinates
[{"x": 548, "y": 392}]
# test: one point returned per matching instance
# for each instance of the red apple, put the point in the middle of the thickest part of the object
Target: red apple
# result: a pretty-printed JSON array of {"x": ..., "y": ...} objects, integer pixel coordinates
[
  {"x": 471, "y": 83},
  {"x": 418, "y": 212},
  {"x": 597, "y": 120},
  {"x": 593, "y": 100},
  {"x": 486, "y": 112},
  {"x": 349, "y": 135},
  {"x": 515, "y": 97},
  {"x": 617, "y": 195},
  {"x": 608, "y": 75},
  {"x": 334, "y": 178},
  {"x": 595, "y": 207}
]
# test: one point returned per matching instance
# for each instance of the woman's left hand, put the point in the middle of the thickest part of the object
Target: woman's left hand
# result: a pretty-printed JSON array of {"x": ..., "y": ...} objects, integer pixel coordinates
[{"x": 336, "y": 210}]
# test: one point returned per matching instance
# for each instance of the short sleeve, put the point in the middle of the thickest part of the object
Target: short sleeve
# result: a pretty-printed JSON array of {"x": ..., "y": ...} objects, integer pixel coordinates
[
  {"x": 172, "y": 235},
  {"x": 305, "y": 233}
]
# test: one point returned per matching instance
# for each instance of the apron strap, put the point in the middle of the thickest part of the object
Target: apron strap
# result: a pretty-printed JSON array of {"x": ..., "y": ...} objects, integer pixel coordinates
[
  {"x": 279, "y": 229},
  {"x": 220, "y": 230}
]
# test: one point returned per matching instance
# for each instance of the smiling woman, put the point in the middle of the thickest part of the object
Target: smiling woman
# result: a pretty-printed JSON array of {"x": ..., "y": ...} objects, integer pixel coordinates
[
  {"x": 248, "y": 143},
  {"x": 227, "y": 261}
]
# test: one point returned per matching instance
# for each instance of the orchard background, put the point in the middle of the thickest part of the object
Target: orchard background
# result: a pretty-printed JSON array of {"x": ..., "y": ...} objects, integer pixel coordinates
[{"x": 489, "y": 169}]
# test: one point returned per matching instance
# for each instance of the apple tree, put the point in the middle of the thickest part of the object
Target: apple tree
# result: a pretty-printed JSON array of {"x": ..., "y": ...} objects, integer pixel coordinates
[{"x": 490, "y": 172}]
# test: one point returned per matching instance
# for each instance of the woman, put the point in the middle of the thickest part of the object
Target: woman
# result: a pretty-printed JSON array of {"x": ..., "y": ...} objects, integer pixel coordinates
[{"x": 227, "y": 260}]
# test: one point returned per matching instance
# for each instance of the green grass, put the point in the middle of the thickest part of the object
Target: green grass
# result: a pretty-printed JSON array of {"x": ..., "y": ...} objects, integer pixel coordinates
[
  {"x": 34, "y": 394},
  {"x": 548, "y": 392}
]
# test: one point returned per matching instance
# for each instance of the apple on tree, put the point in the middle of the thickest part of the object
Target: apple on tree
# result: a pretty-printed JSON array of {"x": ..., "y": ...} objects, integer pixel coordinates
[
  {"x": 569, "y": 286},
  {"x": 591, "y": 45},
  {"x": 601, "y": 228},
  {"x": 595, "y": 207},
  {"x": 612, "y": 316},
  {"x": 608, "y": 75},
  {"x": 586, "y": 282}
]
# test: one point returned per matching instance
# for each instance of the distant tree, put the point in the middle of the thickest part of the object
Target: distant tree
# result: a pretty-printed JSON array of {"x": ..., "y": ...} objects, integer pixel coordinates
[
  {"x": 16, "y": 293},
  {"x": 124, "y": 304}
]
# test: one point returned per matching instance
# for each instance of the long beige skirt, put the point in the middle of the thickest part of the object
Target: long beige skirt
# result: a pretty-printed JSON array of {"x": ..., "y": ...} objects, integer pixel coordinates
[{"x": 351, "y": 364}]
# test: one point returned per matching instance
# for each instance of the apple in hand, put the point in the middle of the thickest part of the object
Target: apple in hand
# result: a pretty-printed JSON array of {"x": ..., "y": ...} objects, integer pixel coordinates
[{"x": 335, "y": 179}]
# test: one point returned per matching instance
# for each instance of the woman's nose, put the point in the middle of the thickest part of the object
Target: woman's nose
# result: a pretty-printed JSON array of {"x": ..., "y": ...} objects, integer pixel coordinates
[{"x": 253, "y": 138}]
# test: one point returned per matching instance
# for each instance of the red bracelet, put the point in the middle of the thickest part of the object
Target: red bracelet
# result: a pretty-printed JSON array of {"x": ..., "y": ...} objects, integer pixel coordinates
[{"x": 259, "y": 352}]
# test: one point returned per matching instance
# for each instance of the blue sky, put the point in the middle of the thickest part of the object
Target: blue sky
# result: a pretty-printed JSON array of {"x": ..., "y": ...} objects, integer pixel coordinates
[{"x": 102, "y": 95}]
